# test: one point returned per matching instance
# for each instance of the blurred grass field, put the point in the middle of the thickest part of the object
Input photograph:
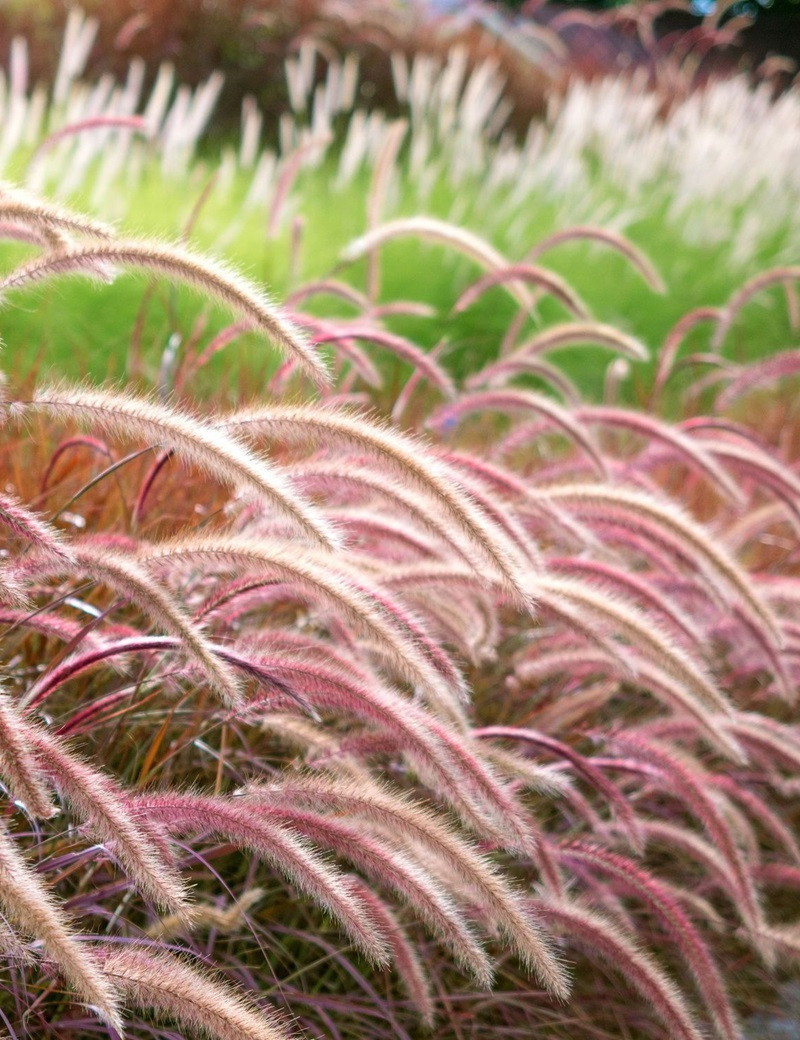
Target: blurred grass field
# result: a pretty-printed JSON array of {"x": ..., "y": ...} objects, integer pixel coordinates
[
  {"x": 607, "y": 154},
  {"x": 75, "y": 327}
]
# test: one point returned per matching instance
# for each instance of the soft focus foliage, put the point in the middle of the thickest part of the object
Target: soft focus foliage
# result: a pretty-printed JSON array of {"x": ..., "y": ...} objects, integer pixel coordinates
[{"x": 393, "y": 694}]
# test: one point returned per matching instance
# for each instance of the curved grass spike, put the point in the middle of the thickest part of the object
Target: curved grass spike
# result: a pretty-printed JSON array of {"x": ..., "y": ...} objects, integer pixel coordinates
[
  {"x": 637, "y": 587},
  {"x": 53, "y": 221},
  {"x": 524, "y": 495},
  {"x": 18, "y": 766},
  {"x": 750, "y": 377},
  {"x": 581, "y": 765},
  {"x": 77, "y": 663},
  {"x": 393, "y": 811},
  {"x": 391, "y": 868},
  {"x": 346, "y": 348},
  {"x": 647, "y": 637},
  {"x": 552, "y": 284},
  {"x": 406, "y": 960},
  {"x": 129, "y": 578},
  {"x": 650, "y": 678},
  {"x": 600, "y": 937},
  {"x": 553, "y": 377},
  {"x": 95, "y": 122},
  {"x": 686, "y": 780},
  {"x": 632, "y": 877},
  {"x": 154, "y": 980},
  {"x": 331, "y": 476},
  {"x": 556, "y": 336},
  {"x": 637, "y": 259},
  {"x": 672, "y": 344},
  {"x": 102, "y": 804},
  {"x": 512, "y": 398},
  {"x": 406, "y": 454},
  {"x": 422, "y": 362},
  {"x": 763, "y": 468},
  {"x": 497, "y": 512},
  {"x": 24, "y": 524},
  {"x": 697, "y": 540},
  {"x": 373, "y": 534},
  {"x": 743, "y": 295},
  {"x": 13, "y": 592},
  {"x": 212, "y": 450},
  {"x": 27, "y": 904},
  {"x": 278, "y": 844},
  {"x": 448, "y": 760},
  {"x": 758, "y": 810},
  {"x": 677, "y": 837},
  {"x": 766, "y": 739},
  {"x": 212, "y": 278},
  {"x": 408, "y": 649},
  {"x": 691, "y": 451},
  {"x": 431, "y": 229}
]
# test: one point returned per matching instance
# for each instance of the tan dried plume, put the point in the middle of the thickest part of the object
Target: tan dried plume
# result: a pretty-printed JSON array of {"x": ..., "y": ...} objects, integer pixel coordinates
[
  {"x": 327, "y": 580},
  {"x": 27, "y": 904},
  {"x": 171, "y": 988},
  {"x": 226, "y": 920},
  {"x": 395, "y": 813},
  {"x": 54, "y": 222},
  {"x": 696, "y": 540},
  {"x": 129, "y": 578},
  {"x": 409, "y": 456},
  {"x": 212, "y": 278},
  {"x": 212, "y": 450}
]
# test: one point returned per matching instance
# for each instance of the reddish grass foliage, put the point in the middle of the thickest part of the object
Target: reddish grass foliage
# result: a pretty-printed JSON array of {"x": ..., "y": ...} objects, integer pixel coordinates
[{"x": 369, "y": 716}]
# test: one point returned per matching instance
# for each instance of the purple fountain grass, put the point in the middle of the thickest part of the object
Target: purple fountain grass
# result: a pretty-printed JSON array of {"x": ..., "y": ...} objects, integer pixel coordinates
[
  {"x": 759, "y": 811},
  {"x": 602, "y": 938},
  {"x": 24, "y": 524},
  {"x": 132, "y": 580},
  {"x": 619, "y": 243},
  {"x": 582, "y": 765},
  {"x": 392, "y": 627},
  {"x": 674, "y": 920},
  {"x": 392, "y": 812},
  {"x": 770, "y": 370},
  {"x": 449, "y": 759},
  {"x": 689, "y": 450},
  {"x": 106, "y": 808},
  {"x": 674, "y": 339},
  {"x": 434, "y": 230},
  {"x": 53, "y": 222},
  {"x": 513, "y": 398},
  {"x": 214, "y": 279},
  {"x": 206, "y": 447},
  {"x": 280, "y": 844},
  {"x": 528, "y": 274},
  {"x": 18, "y": 764},
  {"x": 28, "y": 905},
  {"x": 158, "y": 981},
  {"x": 692, "y": 540},
  {"x": 330, "y": 477},
  {"x": 686, "y": 780},
  {"x": 390, "y": 868},
  {"x": 406, "y": 960},
  {"x": 743, "y": 295},
  {"x": 517, "y": 707},
  {"x": 404, "y": 453},
  {"x": 422, "y": 362}
]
